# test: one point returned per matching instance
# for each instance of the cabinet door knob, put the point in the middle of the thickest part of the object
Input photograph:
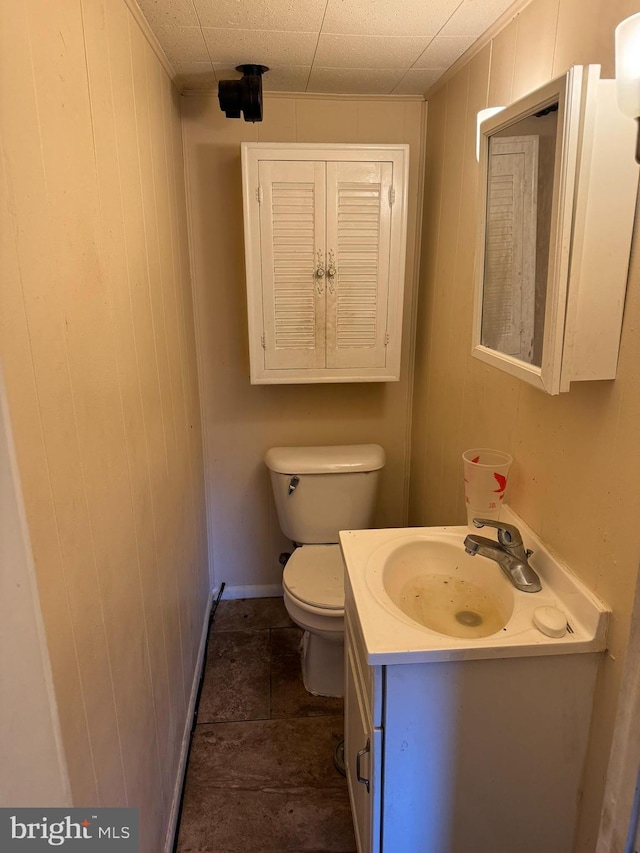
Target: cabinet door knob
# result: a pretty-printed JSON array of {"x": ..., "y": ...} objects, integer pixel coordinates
[
  {"x": 319, "y": 274},
  {"x": 359, "y": 775},
  {"x": 331, "y": 271}
]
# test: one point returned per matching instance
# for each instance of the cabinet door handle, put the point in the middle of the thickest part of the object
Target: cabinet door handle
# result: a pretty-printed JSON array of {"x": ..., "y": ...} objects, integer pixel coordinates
[
  {"x": 319, "y": 274},
  {"x": 359, "y": 775}
]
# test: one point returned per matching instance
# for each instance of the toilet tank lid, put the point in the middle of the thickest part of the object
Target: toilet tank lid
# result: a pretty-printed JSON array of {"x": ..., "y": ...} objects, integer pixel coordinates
[{"x": 340, "y": 459}]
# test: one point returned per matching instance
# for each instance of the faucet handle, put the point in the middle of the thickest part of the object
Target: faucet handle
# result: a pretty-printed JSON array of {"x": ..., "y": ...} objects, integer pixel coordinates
[{"x": 508, "y": 534}]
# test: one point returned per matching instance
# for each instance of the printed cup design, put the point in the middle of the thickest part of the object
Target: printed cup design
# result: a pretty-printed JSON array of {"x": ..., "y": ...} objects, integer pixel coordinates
[{"x": 486, "y": 475}]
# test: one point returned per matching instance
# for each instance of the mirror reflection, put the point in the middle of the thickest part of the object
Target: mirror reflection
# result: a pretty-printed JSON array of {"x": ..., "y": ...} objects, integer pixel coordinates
[{"x": 520, "y": 183}]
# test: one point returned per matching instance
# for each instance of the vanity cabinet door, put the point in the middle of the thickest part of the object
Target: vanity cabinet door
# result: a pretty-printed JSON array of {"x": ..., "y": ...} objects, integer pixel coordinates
[{"x": 362, "y": 752}]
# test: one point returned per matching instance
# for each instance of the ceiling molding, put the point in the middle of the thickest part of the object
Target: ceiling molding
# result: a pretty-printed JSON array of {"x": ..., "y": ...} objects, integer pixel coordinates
[
  {"x": 148, "y": 33},
  {"x": 507, "y": 16},
  {"x": 313, "y": 96}
]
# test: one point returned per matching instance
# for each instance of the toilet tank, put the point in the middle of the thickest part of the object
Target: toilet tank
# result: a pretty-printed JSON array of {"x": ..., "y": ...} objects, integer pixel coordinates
[{"x": 321, "y": 490}]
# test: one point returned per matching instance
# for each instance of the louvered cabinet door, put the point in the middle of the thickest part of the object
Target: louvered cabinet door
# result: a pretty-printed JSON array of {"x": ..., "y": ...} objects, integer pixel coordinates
[
  {"x": 358, "y": 263},
  {"x": 292, "y": 237}
]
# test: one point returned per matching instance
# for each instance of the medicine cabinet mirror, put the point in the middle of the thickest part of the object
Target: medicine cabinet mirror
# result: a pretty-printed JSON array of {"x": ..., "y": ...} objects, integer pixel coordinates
[{"x": 558, "y": 185}]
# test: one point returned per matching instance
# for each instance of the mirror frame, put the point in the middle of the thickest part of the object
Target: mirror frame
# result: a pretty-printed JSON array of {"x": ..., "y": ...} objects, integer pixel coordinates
[{"x": 567, "y": 92}]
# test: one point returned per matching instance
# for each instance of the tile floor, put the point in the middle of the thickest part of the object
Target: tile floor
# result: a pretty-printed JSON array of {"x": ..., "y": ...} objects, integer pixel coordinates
[{"x": 261, "y": 777}]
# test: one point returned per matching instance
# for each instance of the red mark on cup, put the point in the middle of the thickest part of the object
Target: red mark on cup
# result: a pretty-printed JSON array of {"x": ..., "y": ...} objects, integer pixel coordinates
[{"x": 502, "y": 483}]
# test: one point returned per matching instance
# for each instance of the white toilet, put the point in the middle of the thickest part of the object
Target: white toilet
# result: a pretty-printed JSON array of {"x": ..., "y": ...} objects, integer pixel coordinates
[{"x": 318, "y": 492}]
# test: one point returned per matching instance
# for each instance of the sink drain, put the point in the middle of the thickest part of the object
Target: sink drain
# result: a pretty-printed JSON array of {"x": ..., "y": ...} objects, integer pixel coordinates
[{"x": 469, "y": 618}]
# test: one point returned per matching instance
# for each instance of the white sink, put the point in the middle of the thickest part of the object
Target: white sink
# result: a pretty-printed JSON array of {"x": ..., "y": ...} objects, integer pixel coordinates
[
  {"x": 436, "y": 584},
  {"x": 420, "y": 597}
]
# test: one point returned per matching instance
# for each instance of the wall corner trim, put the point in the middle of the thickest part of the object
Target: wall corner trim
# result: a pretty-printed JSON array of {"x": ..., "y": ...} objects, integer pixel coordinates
[
  {"x": 507, "y": 16},
  {"x": 148, "y": 33}
]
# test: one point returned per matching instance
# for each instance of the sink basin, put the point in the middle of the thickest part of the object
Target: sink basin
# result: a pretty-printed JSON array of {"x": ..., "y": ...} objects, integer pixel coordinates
[
  {"x": 436, "y": 584},
  {"x": 420, "y": 598}
]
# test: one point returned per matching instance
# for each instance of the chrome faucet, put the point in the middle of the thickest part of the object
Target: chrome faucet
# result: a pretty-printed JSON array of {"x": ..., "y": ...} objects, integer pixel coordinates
[{"x": 508, "y": 552}]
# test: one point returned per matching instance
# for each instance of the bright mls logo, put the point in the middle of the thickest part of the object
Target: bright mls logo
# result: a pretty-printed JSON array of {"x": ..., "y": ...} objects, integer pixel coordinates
[{"x": 86, "y": 830}]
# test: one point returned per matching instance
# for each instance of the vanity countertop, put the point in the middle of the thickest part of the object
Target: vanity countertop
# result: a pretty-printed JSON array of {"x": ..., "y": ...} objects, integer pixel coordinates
[{"x": 392, "y": 637}]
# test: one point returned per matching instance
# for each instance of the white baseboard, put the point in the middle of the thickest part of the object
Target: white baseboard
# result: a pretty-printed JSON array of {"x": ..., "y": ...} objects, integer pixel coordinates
[
  {"x": 268, "y": 590},
  {"x": 186, "y": 737}
]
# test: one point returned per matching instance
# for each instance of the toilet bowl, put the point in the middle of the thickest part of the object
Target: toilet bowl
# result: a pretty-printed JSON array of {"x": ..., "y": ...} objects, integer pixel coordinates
[
  {"x": 313, "y": 592},
  {"x": 319, "y": 491}
]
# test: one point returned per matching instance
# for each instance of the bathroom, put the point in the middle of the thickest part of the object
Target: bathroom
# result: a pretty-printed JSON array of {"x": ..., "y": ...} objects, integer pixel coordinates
[{"x": 124, "y": 353}]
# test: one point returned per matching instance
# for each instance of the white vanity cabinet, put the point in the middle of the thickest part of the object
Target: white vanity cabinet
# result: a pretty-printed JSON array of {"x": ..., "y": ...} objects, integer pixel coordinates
[
  {"x": 325, "y": 236},
  {"x": 363, "y": 739},
  {"x": 465, "y": 755}
]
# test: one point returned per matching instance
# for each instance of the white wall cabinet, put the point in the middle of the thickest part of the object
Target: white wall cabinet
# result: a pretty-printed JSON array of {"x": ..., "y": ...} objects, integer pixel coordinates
[
  {"x": 466, "y": 755},
  {"x": 325, "y": 238}
]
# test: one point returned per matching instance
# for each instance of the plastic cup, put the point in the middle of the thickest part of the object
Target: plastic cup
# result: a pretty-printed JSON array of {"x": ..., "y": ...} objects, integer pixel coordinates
[{"x": 485, "y": 482}]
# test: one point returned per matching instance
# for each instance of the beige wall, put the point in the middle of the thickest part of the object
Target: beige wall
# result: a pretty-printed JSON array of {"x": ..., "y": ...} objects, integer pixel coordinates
[
  {"x": 577, "y": 458},
  {"x": 28, "y": 711},
  {"x": 96, "y": 343},
  {"x": 241, "y": 420}
]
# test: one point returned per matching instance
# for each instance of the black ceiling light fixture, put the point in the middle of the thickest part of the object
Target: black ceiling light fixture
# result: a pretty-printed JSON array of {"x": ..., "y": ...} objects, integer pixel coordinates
[{"x": 243, "y": 95}]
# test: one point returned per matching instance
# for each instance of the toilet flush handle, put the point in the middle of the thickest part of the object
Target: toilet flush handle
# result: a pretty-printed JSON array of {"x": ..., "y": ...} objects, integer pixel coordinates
[{"x": 293, "y": 484}]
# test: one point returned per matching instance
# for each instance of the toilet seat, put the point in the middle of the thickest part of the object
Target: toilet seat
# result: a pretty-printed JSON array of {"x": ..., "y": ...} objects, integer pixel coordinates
[{"x": 314, "y": 576}]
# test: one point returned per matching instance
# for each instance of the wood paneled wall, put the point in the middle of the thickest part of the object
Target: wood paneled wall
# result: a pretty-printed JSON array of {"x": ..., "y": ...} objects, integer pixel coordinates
[
  {"x": 577, "y": 457},
  {"x": 97, "y": 346},
  {"x": 242, "y": 420}
]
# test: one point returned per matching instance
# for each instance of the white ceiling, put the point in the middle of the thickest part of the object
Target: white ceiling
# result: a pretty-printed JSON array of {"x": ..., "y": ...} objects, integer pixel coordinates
[{"x": 330, "y": 46}]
